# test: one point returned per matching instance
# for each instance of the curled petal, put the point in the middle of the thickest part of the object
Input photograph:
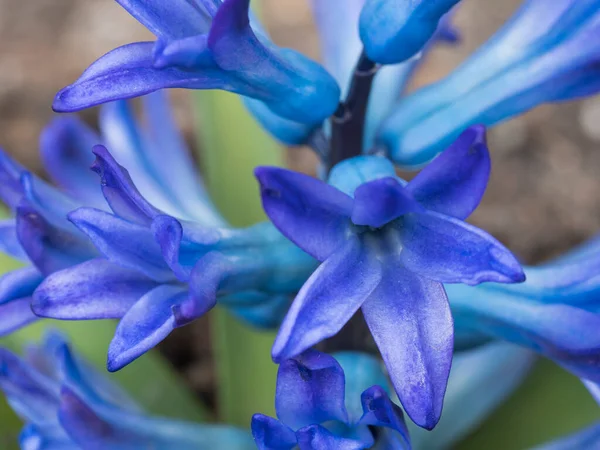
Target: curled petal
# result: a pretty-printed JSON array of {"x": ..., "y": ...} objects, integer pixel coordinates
[
  {"x": 380, "y": 411},
  {"x": 449, "y": 250},
  {"x": 310, "y": 389},
  {"x": 329, "y": 299},
  {"x": 271, "y": 434},
  {"x": 145, "y": 324},
  {"x": 410, "y": 319},
  {"x": 454, "y": 183},
  {"x": 95, "y": 289},
  {"x": 312, "y": 214}
]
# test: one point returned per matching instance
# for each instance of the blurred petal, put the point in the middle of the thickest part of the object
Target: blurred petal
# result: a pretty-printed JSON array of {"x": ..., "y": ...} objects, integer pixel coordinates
[
  {"x": 378, "y": 202},
  {"x": 11, "y": 190},
  {"x": 310, "y": 213},
  {"x": 271, "y": 434},
  {"x": 9, "y": 243},
  {"x": 449, "y": 250},
  {"x": 392, "y": 31},
  {"x": 310, "y": 389},
  {"x": 454, "y": 183},
  {"x": 588, "y": 438},
  {"x": 328, "y": 300},
  {"x": 144, "y": 325},
  {"x": 410, "y": 319},
  {"x": 264, "y": 311},
  {"x": 19, "y": 283},
  {"x": 66, "y": 151},
  {"x": 316, "y": 437},
  {"x": 16, "y": 314},
  {"x": 95, "y": 289}
]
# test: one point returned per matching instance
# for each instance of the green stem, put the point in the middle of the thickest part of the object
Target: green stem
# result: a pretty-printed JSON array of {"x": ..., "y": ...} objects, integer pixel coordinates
[{"x": 232, "y": 145}]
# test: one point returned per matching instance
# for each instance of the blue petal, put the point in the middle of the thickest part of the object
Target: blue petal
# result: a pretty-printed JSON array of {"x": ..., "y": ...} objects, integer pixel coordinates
[
  {"x": 11, "y": 190},
  {"x": 9, "y": 243},
  {"x": 328, "y": 300},
  {"x": 316, "y": 437},
  {"x": 381, "y": 201},
  {"x": 563, "y": 333},
  {"x": 392, "y": 31},
  {"x": 95, "y": 289},
  {"x": 380, "y": 411},
  {"x": 66, "y": 151},
  {"x": 454, "y": 182},
  {"x": 180, "y": 18},
  {"x": 449, "y": 250},
  {"x": 49, "y": 248},
  {"x": 19, "y": 283},
  {"x": 556, "y": 61},
  {"x": 410, "y": 319},
  {"x": 120, "y": 192},
  {"x": 15, "y": 315},
  {"x": 146, "y": 324},
  {"x": 310, "y": 213},
  {"x": 271, "y": 434},
  {"x": 351, "y": 173},
  {"x": 310, "y": 390},
  {"x": 480, "y": 381},
  {"x": 124, "y": 243}
]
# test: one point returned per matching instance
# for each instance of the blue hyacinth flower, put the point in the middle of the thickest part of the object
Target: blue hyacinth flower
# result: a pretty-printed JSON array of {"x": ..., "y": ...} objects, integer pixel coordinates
[
  {"x": 206, "y": 44},
  {"x": 337, "y": 22},
  {"x": 161, "y": 268},
  {"x": 555, "y": 312},
  {"x": 66, "y": 404},
  {"x": 545, "y": 53},
  {"x": 325, "y": 404},
  {"x": 393, "y": 31},
  {"x": 386, "y": 247}
]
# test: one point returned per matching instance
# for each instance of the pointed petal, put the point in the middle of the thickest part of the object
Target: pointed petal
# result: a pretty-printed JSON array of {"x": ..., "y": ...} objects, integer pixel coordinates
[
  {"x": 312, "y": 214},
  {"x": 328, "y": 300},
  {"x": 310, "y": 389},
  {"x": 449, "y": 250},
  {"x": 19, "y": 283},
  {"x": 564, "y": 333},
  {"x": 410, "y": 319},
  {"x": 95, "y": 289},
  {"x": 118, "y": 189},
  {"x": 454, "y": 183},
  {"x": 49, "y": 248},
  {"x": 271, "y": 434},
  {"x": 316, "y": 437},
  {"x": 66, "y": 151},
  {"x": 124, "y": 243},
  {"x": 146, "y": 324},
  {"x": 381, "y": 201},
  {"x": 380, "y": 411}
]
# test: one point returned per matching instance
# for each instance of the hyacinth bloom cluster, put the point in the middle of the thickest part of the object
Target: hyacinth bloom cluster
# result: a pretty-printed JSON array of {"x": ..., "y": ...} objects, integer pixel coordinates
[
  {"x": 66, "y": 404},
  {"x": 138, "y": 238},
  {"x": 318, "y": 409}
]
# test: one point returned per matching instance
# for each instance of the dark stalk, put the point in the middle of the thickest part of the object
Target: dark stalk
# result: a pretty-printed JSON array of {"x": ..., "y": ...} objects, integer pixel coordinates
[{"x": 348, "y": 122}]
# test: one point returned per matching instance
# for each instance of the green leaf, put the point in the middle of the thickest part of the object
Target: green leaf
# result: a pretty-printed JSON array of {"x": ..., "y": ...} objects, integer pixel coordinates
[{"x": 232, "y": 145}]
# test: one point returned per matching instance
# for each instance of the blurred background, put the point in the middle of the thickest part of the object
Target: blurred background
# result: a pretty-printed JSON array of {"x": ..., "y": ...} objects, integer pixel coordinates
[{"x": 544, "y": 193}]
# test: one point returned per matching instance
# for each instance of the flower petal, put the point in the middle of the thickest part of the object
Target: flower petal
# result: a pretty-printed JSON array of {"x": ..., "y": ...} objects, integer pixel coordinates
[
  {"x": 19, "y": 283},
  {"x": 11, "y": 190},
  {"x": 261, "y": 310},
  {"x": 349, "y": 174},
  {"x": 144, "y": 325},
  {"x": 312, "y": 214},
  {"x": 381, "y": 201},
  {"x": 15, "y": 315},
  {"x": 454, "y": 182},
  {"x": 564, "y": 333},
  {"x": 329, "y": 299},
  {"x": 380, "y": 411},
  {"x": 271, "y": 434},
  {"x": 310, "y": 389},
  {"x": 66, "y": 151},
  {"x": 410, "y": 319},
  {"x": 449, "y": 250},
  {"x": 124, "y": 243},
  {"x": 95, "y": 289},
  {"x": 49, "y": 248},
  {"x": 9, "y": 243},
  {"x": 316, "y": 437}
]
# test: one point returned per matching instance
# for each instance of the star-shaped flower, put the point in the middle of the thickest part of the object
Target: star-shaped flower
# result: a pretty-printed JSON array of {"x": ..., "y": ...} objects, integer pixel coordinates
[{"x": 386, "y": 247}]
